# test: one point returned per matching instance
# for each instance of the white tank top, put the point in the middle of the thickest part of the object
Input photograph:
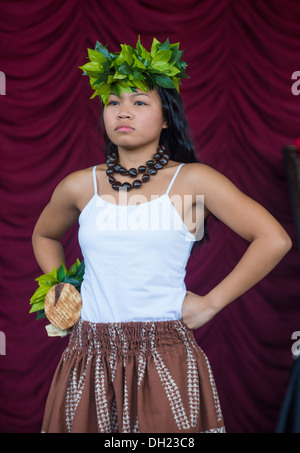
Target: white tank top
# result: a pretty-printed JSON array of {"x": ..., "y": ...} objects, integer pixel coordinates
[{"x": 135, "y": 259}]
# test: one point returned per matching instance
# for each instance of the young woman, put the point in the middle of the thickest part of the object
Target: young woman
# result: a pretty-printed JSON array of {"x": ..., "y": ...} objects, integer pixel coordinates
[{"x": 132, "y": 363}]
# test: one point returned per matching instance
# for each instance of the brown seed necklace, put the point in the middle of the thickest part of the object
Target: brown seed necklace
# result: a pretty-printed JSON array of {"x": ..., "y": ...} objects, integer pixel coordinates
[{"x": 158, "y": 161}]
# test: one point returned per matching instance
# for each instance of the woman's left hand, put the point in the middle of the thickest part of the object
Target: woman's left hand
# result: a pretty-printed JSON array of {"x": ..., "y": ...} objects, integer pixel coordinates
[{"x": 196, "y": 310}]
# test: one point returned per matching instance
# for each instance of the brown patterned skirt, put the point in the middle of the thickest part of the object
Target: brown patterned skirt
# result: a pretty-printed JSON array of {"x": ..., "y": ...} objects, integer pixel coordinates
[{"x": 136, "y": 377}]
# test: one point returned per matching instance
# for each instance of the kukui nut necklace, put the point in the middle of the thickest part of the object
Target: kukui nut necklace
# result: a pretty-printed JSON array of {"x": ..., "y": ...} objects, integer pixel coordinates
[{"x": 159, "y": 160}]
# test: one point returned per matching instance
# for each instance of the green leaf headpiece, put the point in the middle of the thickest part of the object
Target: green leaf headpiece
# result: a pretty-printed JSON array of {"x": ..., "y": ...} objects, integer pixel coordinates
[{"x": 132, "y": 69}]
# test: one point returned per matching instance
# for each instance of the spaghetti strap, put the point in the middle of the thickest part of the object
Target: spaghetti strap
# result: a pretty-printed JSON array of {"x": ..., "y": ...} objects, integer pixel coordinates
[
  {"x": 173, "y": 179},
  {"x": 95, "y": 179}
]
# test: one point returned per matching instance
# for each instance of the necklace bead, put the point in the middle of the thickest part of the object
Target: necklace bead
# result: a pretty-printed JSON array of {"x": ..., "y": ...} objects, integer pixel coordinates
[
  {"x": 109, "y": 171},
  {"x": 163, "y": 161},
  {"x": 123, "y": 171},
  {"x": 127, "y": 185},
  {"x": 151, "y": 171},
  {"x": 115, "y": 185},
  {"x": 132, "y": 172},
  {"x": 158, "y": 165},
  {"x": 142, "y": 168},
  {"x": 150, "y": 163},
  {"x": 137, "y": 183},
  {"x": 145, "y": 177}
]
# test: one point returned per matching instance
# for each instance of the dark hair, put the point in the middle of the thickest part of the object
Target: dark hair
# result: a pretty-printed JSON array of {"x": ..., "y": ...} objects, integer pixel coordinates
[{"x": 176, "y": 137}]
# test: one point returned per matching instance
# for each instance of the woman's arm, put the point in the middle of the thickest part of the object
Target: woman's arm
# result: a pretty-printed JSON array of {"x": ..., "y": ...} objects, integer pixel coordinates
[
  {"x": 57, "y": 217},
  {"x": 269, "y": 242}
]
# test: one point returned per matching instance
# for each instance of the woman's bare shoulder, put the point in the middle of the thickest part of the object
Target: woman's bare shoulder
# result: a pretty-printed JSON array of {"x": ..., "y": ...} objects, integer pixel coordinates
[
  {"x": 77, "y": 178},
  {"x": 201, "y": 175},
  {"x": 214, "y": 185},
  {"x": 75, "y": 185},
  {"x": 198, "y": 168}
]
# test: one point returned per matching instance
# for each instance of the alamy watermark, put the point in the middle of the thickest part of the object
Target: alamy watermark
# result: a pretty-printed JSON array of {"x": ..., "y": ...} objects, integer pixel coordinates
[
  {"x": 296, "y": 346},
  {"x": 2, "y": 343},
  {"x": 2, "y": 84},
  {"x": 160, "y": 213},
  {"x": 296, "y": 85}
]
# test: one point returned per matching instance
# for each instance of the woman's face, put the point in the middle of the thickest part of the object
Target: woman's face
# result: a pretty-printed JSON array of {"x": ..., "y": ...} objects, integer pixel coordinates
[{"x": 134, "y": 120}]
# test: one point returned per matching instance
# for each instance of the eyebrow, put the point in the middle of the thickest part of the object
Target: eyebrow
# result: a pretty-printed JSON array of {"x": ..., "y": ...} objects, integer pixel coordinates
[
  {"x": 140, "y": 94},
  {"x": 133, "y": 94}
]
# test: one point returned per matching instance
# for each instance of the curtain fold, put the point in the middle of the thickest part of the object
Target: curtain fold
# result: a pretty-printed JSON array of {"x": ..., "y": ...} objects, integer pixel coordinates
[{"x": 241, "y": 56}]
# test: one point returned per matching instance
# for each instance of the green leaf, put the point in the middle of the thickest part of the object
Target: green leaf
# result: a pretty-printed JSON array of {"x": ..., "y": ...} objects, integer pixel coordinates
[
  {"x": 141, "y": 85},
  {"x": 165, "y": 45},
  {"x": 124, "y": 87},
  {"x": 61, "y": 273},
  {"x": 172, "y": 71},
  {"x": 71, "y": 280},
  {"x": 142, "y": 52},
  {"x": 72, "y": 269},
  {"x": 103, "y": 50},
  {"x": 105, "y": 96},
  {"x": 40, "y": 293},
  {"x": 136, "y": 75},
  {"x": 160, "y": 67},
  {"x": 139, "y": 46},
  {"x": 100, "y": 80},
  {"x": 182, "y": 75},
  {"x": 126, "y": 55},
  {"x": 103, "y": 90},
  {"x": 162, "y": 56},
  {"x": 37, "y": 307},
  {"x": 150, "y": 81},
  {"x": 96, "y": 56},
  {"x": 163, "y": 81},
  {"x": 92, "y": 68},
  {"x": 125, "y": 69},
  {"x": 175, "y": 46},
  {"x": 138, "y": 63},
  {"x": 40, "y": 314},
  {"x": 175, "y": 81},
  {"x": 155, "y": 42},
  {"x": 52, "y": 274},
  {"x": 37, "y": 300},
  {"x": 119, "y": 76},
  {"x": 80, "y": 270},
  {"x": 46, "y": 279},
  {"x": 132, "y": 86},
  {"x": 115, "y": 88},
  {"x": 95, "y": 94}
]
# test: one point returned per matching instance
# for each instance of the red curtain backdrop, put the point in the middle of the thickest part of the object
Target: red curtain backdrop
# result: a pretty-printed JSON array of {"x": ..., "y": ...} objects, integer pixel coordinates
[{"x": 241, "y": 111}]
